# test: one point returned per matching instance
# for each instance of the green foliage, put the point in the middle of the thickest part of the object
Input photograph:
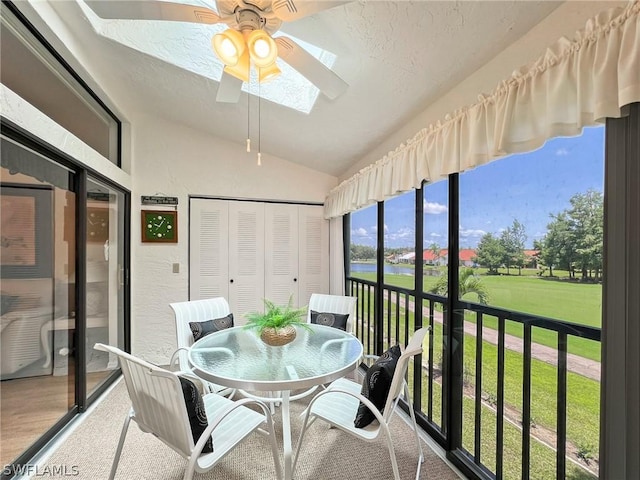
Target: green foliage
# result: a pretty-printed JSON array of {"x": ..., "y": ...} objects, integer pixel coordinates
[
  {"x": 362, "y": 252},
  {"x": 512, "y": 240},
  {"x": 435, "y": 250},
  {"x": 490, "y": 253},
  {"x": 276, "y": 316},
  {"x": 469, "y": 284},
  {"x": 586, "y": 452},
  {"x": 574, "y": 238}
]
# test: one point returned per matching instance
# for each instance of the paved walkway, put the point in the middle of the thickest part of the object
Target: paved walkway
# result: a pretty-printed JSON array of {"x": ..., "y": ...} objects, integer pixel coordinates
[{"x": 576, "y": 364}]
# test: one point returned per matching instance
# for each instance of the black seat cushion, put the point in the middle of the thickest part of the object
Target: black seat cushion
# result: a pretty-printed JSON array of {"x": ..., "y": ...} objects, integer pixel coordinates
[
  {"x": 202, "y": 329},
  {"x": 376, "y": 385},
  {"x": 337, "y": 320},
  {"x": 196, "y": 412}
]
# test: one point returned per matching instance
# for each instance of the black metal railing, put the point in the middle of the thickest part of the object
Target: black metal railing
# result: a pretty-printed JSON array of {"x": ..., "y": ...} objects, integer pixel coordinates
[{"x": 400, "y": 319}]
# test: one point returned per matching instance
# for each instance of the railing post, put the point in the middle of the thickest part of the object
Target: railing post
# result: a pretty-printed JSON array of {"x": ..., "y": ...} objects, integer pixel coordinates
[
  {"x": 346, "y": 247},
  {"x": 561, "y": 443},
  {"x": 418, "y": 284},
  {"x": 378, "y": 310},
  {"x": 454, "y": 328}
]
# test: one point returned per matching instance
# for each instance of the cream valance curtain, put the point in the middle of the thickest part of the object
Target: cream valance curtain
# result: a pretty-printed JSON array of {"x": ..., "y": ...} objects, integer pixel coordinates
[{"x": 575, "y": 84}]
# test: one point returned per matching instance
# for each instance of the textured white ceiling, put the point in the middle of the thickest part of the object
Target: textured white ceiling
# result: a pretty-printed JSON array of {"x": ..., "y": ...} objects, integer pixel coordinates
[{"x": 397, "y": 57}]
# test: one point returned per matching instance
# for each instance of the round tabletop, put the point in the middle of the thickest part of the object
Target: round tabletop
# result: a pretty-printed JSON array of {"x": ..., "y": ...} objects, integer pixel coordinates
[{"x": 237, "y": 357}]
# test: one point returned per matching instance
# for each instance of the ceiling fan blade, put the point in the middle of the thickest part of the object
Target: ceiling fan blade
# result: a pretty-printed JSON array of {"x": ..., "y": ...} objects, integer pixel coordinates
[
  {"x": 151, "y": 10},
  {"x": 330, "y": 84},
  {"x": 289, "y": 10},
  {"x": 229, "y": 89}
]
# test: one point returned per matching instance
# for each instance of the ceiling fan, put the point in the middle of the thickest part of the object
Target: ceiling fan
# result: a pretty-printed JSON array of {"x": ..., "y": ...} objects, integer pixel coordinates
[{"x": 251, "y": 19}]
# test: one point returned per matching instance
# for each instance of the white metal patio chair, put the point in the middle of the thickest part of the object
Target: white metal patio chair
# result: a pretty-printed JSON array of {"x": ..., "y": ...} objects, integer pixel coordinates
[
  {"x": 338, "y": 405},
  {"x": 339, "y": 304},
  {"x": 159, "y": 407},
  {"x": 197, "y": 311}
]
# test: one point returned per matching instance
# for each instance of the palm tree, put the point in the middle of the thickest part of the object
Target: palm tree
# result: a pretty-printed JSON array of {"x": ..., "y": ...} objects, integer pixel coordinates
[
  {"x": 435, "y": 250},
  {"x": 469, "y": 283}
]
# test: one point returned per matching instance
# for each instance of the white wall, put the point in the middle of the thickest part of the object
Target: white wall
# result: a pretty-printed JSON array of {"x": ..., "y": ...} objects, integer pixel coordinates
[{"x": 177, "y": 161}]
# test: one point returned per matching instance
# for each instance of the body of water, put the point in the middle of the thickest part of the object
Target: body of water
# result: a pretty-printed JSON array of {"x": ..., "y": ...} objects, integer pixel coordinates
[{"x": 390, "y": 269}]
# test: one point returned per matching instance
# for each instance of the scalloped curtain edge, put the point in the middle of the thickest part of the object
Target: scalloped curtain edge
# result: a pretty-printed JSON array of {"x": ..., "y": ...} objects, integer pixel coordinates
[{"x": 574, "y": 84}]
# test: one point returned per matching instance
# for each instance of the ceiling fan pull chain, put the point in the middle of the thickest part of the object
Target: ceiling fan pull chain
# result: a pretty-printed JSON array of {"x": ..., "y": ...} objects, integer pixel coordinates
[
  {"x": 259, "y": 122},
  {"x": 248, "y": 115}
]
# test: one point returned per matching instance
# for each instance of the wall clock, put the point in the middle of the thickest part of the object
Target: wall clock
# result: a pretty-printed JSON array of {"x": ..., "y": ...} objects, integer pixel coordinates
[
  {"x": 159, "y": 226},
  {"x": 97, "y": 224}
]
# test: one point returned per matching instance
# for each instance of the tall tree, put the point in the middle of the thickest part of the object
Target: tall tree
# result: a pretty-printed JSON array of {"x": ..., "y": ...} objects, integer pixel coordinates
[
  {"x": 490, "y": 253},
  {"x": 575, "y": 235},
  {"x": 512, "y": 240},
  {"x": 557, "y": 248},
  {"x": 586, "y": 217},
  {"x": 435, "y": 249}
]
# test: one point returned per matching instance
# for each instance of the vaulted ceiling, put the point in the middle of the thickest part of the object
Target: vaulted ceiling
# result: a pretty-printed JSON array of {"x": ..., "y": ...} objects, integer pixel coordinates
[{"x": 396, "y": 56}]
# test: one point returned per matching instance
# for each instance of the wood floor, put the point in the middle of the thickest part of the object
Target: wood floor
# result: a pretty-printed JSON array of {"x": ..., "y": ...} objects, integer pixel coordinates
[{"x": 30, "y": 406}]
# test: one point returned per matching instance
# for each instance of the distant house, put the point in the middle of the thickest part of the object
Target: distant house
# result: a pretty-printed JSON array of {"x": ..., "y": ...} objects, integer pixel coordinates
[
  {"x": 467, "y": 257},
  {"x": 393, "y": 258},
  {"x": 429, "y": 258},
  {"x": 408, "y": 258},
  {"x": 532, "y": 258}
]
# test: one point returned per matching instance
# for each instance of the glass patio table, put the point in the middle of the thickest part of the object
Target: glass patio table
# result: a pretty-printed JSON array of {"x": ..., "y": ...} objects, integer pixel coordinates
[{"x": 236, "y": 357}]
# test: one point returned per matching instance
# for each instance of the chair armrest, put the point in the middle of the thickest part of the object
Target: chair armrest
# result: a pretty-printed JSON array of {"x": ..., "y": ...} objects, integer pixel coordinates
[
  {"x": 233, "y": 405},
  {"x": 333, "y": 341},
  {"x": 225, "y": 350},
  {"x": 358, "y": 396},
  {"x": 175, "y": 358}
]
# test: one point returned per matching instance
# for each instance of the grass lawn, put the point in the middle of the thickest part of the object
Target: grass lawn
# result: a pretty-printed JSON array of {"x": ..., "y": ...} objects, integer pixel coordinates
[
  {"x": 583, "y": 394},
  {"x": 523, "y": 294},
  {"x": 574, "y": 302},
  {"x": 542, "y": 458}
]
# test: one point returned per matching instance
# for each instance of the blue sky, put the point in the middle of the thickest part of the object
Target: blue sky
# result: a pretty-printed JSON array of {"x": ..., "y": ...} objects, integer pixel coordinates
[{"x": 527, "y": 187}]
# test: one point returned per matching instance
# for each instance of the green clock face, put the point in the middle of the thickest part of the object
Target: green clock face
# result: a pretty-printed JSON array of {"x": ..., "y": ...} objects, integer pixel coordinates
[{"x": 159, "y": 226}]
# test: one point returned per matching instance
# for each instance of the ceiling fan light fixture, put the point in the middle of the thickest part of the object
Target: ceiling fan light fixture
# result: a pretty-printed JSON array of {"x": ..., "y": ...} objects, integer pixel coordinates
[
  {"x": 268, "y": 73},
  {"x": 229, "y": 46},
  {"x": 241, "y": 69},
  {"x": 262, "y": 48}
]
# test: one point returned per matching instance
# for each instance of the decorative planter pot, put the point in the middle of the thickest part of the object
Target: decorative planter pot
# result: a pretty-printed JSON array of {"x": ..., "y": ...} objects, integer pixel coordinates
[{"x": 277, "y": 337}]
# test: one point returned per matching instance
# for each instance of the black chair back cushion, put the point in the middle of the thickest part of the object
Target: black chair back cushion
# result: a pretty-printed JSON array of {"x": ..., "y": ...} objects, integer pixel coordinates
[{"x": 376, "y": 385}]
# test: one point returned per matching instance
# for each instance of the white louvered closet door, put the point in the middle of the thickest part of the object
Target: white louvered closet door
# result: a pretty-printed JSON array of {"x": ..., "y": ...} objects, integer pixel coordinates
[
  {"x": 246, "y": 258},
  {"x": 281, "y": 253},
  {"x": 313, "y": 252},
  {"x": 209, "y": 249}
]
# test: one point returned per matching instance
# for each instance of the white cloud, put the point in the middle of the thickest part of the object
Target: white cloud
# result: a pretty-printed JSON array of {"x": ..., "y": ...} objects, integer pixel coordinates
[
  {"x": 401, "y": 234},
  {"x": 359, "y": 232},
  {"x": 562, "y": 152},
  {"x": 434, "y": 234},
  {"x": 434, "y": 208},
  {"x": 471, "y": 232}
]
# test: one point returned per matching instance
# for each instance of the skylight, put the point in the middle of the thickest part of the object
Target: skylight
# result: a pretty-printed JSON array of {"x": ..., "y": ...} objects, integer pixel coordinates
[{"x": 188, "y": 46}]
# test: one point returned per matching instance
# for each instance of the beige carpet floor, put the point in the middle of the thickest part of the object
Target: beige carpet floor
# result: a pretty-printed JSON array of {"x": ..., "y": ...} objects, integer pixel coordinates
[{"x": 328, "y": 454}]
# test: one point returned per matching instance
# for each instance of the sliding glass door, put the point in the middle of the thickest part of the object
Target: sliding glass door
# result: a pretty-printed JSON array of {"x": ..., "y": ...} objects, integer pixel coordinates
[
  {"x": 105, "y": 269},
  {"x": 63, "y": 263},
  {"x": 37, "y": 256}
]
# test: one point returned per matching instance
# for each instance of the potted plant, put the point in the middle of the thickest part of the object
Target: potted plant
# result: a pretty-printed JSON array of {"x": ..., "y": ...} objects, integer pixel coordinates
[{"x": 276, "y": 325}]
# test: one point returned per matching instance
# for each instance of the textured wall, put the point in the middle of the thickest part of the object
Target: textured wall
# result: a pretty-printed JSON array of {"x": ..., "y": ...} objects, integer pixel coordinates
[{"x": 178, "y": 161}]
